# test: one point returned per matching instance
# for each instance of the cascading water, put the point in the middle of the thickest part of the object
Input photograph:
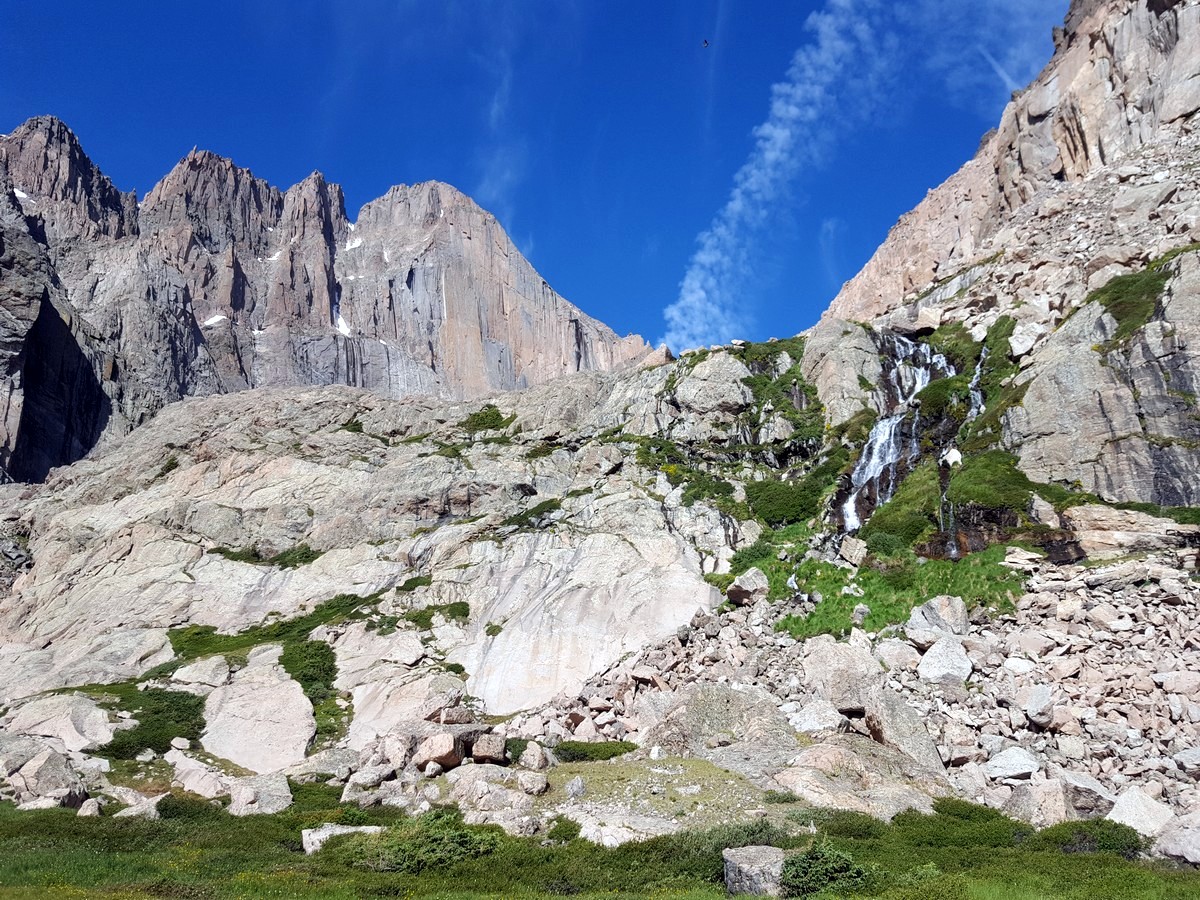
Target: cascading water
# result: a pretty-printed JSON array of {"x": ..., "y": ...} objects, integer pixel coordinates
[
  {"x": 976, "y": 390},
  {"x": 877, "y": 472}
]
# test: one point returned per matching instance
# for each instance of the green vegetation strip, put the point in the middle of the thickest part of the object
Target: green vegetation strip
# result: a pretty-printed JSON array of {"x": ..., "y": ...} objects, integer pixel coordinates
[
  {"x": 292, "y": 558},
  {"x": 199, "y": 851}
]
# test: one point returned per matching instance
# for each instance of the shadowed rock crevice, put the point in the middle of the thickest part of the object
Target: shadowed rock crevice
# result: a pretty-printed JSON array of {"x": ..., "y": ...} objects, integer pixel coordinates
[{"x": 65, "y": 407}]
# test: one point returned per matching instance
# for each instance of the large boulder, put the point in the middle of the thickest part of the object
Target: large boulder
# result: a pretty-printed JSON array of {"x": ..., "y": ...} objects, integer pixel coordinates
[
  {"x": 261, "y": 720},
  {"x": 946, "y": 662},
  {"x": 1180, "y": 838},
  {"x": 753, "y": 870},
  {"x": 748, "y": 588},
  {"x": 936, "y": 618},
  {"x": 844, "y": 674},
  {"x": 1141, "y": 812},
  {"x": 259, "y": 795},
  {"x": 75, "y": 720},
  {"x": 1041, "y": 803}
]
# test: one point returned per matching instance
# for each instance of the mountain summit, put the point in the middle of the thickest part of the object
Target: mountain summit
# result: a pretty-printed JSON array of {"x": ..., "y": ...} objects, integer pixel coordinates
[{"x": 220, "y": 282}]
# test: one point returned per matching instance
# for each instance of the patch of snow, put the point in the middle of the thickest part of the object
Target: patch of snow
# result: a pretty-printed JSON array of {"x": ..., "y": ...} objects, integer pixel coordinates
[
  {"x": 353, "y": 244},
  {"x": 270, "y": 229},
  {"x": 21, "y": 195},
  {"x": 214, "y": 320},
  {"x": 351, "y": 225},
  {"x": 386, "y": 258},
  {"x": 343, "y": 327},
  {"x": 274, "y": 256}
]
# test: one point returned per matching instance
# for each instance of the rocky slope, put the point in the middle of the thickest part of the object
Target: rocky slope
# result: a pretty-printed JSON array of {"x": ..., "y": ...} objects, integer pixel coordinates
[
  {"x": 218, "y": 282},
  {"x": 376, "y": 591}
]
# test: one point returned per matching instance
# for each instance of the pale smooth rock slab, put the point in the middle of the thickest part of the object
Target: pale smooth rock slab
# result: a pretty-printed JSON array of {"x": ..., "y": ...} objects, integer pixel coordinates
[{"x": 261, "y": 720}]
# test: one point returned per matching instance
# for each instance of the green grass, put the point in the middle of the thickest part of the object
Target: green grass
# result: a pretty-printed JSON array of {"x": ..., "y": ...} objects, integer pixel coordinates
[
  {"x": 1131, "y": 300},
  {"x": 200, "y": 851},
  {"x": 992, "y": 480},
  {"x": 529, "y": 517},
  {"x": 954, "y": 342},
  {"x": 949, "y": 397},
  {"x": 313, "y": 665},
  {"x": 411, "y": 584},
  {"x": 196, "y": 641},
  {"x": 162, "y": 715},
  {"x": 893, "y": 591}
]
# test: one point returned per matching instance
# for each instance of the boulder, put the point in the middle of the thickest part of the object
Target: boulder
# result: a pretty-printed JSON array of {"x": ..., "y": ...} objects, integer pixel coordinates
[
  {"x": 489, "y": 748},
  {"x": 748, "y": 588},
  {"x": 754, "y": 870},
  {"x": 533, "y": 783},
  {"x": 1041, "y": 803},
  {"x": 261, "y": 720},
  {"x": 533, "y": 757},
  {"x": 1180, "y": 838},
  {"x": 145, "y": 809},
  {"x": 259, "y": 795},
  {"x": 1141, "y": 812},
  {"x": 817, "y": 716},
  {"x": 443, "y": 748},
  {"x": 212, "y": 671},
  {"x": 895, "y": 724},
  {"x": 89, "y": 809},
  {"x": 936, "y": 618},
  {"x": 1086, "y": 795},
  {"x": 313, "y": 839},
  {"x": 75, "y": 720},
  {"x": 897, "y": 655},
  {"x": 946, "y": 662},
  {"x": 843, "y": 674},
  {"x": 852, "y": 550},
  {"x": 196, "y": 777},
  {"x": 1015, "y": 762}
]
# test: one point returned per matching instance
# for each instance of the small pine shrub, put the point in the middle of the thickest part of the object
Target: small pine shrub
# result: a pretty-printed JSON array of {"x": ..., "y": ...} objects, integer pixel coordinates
[
  {"x": 821, "y": 868},
  {"x": 780, "y": 797},
  {"x": 1091, "y": 836},
  {"x": 434, "y": 841},
  {"x": 563, "y": 829},
  {"x": 487, "y": 418},
  {"x": 581, "y": 751},
  {"x": 188, "y": 809},
  {"x": 411, "y": 584}
]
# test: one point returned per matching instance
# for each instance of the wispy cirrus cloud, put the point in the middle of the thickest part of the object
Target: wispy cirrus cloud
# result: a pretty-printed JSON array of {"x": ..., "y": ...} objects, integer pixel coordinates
[
  {"x": 797, "y": 131},
  {"x": 976, "y": 52}
]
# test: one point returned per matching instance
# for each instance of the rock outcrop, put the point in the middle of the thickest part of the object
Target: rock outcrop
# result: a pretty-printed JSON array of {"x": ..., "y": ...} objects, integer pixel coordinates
[{"x": 218, "y": 282}]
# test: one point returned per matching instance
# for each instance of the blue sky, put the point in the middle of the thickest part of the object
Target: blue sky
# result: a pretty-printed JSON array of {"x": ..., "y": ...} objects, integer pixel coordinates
[{"x": 667, "y": 188}]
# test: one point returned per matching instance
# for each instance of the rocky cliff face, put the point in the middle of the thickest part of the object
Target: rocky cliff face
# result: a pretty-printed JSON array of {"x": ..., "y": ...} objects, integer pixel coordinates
[
  {"x": 219, "y": 282},
  {"x": 1124, "y": 76},
  {"x": 1068, "y": 246}
]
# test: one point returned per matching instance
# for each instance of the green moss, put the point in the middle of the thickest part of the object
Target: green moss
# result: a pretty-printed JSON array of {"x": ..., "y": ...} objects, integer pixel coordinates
[
  {"x": 946, "y": 397},
  {"x": 992, "y": 480},
  {"x": 892, "y": 591},
  {"x": 954, "y": 342},
  {"x": 1131, "y": 300},
  {"x": 912, "y": 513},
  {"x": 720, "y": 582},
  {"x": 196, "y": 641},
  {"x": 459, "y": 611},
  {"x": 313, "y": 665},
  {"x": 766, "y": 352},
  {"x": 292, "y": 558},
  {"x": 169, "y": 466},
  {"x": 493, "y": 629},
  {"x": 541, "y": 451}
]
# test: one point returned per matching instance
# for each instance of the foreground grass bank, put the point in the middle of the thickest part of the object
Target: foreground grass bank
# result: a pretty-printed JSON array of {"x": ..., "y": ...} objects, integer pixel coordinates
[{"x": 199, "y": 851}]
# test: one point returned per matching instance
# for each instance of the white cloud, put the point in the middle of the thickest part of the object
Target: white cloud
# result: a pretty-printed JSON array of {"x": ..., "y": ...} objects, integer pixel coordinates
[
  {"x": 710, "y": 307},
  {"x": 977, "y": 51}
]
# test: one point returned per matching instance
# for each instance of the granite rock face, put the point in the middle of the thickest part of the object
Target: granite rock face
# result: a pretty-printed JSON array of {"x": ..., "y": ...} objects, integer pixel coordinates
[
  {"x": 1123, "y": 76},
  {"x": 218, "y": 282}
]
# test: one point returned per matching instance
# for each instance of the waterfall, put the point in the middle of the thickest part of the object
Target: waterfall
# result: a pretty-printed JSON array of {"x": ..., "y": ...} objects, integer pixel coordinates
[
  {"x": 877, "y": 472},
  {"x": 976, "y": 391}
]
